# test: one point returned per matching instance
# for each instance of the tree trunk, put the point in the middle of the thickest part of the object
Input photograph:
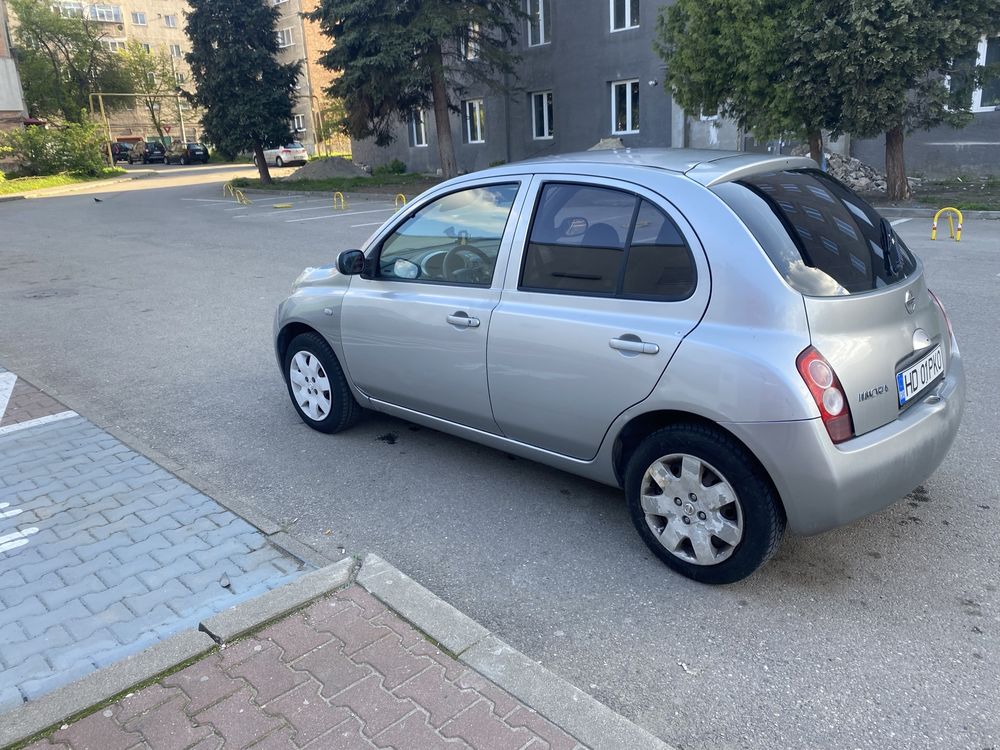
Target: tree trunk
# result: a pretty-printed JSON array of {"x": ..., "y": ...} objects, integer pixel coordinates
[
  {"x": 897, "y": 186},
  {"x": 262, "y": 170},
  {"x": 442, "y": 122},
  {"x": 816, "y": 146},
  {"x": 155, "y": 119}
]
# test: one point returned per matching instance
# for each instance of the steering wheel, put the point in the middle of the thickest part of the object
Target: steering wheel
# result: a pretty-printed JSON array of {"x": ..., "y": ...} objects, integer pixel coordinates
[{"x": 456, "y": 260}]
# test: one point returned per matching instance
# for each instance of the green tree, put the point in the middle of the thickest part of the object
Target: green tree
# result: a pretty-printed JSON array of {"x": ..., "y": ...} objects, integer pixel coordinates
[
  {"x": 394, "y": 56},
  {"x": 889, "y": 59},
  {"x": 72, "y": 147},
  {"x": 62, "y": 60},
  {"x": 152, "y": 79},
  {"x": 246, "y": 94},
  {"x": 864, "y": 67}
]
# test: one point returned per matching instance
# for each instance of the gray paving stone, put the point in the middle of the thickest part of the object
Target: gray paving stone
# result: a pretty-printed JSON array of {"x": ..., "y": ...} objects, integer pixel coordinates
[
  {"x": 75, "y": 573},
  {"x": 13, "y": 598},
  {"x": 131, "y": 550},
  {"x": 89, "y": 623},
  {"x": 59, "y": 595},
  {"x": 35, "y": 625},
  {"x": 137, "y": 562},
  {"x": 27, "y": 608},
  {"x": 129, "y": 589}
]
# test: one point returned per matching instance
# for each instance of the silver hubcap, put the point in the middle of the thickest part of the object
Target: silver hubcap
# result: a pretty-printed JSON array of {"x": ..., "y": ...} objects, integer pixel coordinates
[
  {"x": 310, "y": 386},
  {"x": 691, "y": 509}
]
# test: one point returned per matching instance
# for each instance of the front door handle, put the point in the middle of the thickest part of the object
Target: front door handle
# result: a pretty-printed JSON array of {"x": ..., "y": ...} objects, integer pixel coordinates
[
  {"x": 462, "y": 320},
  {"x": 634, "y": 345}
]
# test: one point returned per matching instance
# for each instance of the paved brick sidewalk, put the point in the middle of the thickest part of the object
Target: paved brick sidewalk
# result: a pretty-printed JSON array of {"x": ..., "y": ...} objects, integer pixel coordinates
[
  {"x": 345, "y": 673},
  {"x": 102, "y": 551}
]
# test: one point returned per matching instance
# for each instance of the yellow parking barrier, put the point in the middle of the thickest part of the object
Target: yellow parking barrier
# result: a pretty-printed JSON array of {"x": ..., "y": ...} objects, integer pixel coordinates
[
  {"x": 282, "y": 205},
  {"x": 241, "y": 198},
  {"x": 952, "y": 232},
  {"x": 343, "y": 202},
  {"x": 399, "y": 200}
]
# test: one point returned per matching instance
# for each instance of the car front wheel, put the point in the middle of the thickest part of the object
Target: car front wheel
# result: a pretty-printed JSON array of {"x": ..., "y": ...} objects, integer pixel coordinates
[
  {"x": 317, "y": 385},
  {"x": 702, "y": 503},
  {"x": 278, "y": 162}
]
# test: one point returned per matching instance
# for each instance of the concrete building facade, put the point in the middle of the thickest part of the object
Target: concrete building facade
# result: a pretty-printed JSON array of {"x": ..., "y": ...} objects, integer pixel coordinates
[
  {"x": 12, "y": 111},
  {"x": 588, "y": 71}
]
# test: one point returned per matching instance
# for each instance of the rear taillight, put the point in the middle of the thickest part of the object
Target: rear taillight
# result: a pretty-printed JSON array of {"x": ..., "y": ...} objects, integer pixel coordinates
[
  {"x": 947, "y": 320},
  {"x": 828, "y": 394}
]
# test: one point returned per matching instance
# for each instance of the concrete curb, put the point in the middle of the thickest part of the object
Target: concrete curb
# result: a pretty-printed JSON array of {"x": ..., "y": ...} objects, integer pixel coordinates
[
  {"x": 8, "y": 198},
  {"x": 565, "y": 705},
  {"x": 251, "y": 615},
  {"x": 66, "y": 702},
  {"x": 903, "y": 212}
]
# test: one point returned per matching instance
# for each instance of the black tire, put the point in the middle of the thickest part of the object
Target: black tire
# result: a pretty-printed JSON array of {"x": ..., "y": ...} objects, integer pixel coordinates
[
  {"x": 183, "y": 161},
  {"x": 762, "y": 514},
  {"x": 278, "y": 162},
  {"x": 344, "y": 410}
]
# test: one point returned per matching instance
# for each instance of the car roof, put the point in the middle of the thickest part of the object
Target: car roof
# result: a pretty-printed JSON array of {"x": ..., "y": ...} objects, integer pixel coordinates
[{"x": 706, "y": 166}]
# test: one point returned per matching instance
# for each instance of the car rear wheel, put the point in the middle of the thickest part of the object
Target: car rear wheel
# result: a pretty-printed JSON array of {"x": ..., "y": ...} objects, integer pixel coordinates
[
  {"x": 278, "y": 162},
  {"x": 702, "y": 504},
  {"x": 317, "y": 385}
]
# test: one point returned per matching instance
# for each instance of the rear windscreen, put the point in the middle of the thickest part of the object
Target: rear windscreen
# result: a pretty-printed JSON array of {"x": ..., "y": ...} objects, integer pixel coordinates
[{"x": 824, "y": 239}]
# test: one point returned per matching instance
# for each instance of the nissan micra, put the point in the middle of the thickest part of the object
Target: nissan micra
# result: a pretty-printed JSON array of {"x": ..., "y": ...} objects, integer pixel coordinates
[{"x": 738, "y": 341}]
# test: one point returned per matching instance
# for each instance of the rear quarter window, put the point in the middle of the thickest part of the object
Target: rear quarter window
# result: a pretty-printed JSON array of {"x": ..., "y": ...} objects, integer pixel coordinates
[{"x": 824, "y": 239}]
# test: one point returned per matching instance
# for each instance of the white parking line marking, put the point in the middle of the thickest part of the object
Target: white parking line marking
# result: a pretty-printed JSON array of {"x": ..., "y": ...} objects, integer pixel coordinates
[
  {"x": 208, "y": 200},
  {"x": 238, "y": 208},
  {"x": 337, "y": 216},
  {"x": 17, "y": 539},
  {"x": 896, "y": 222},
  {"x": 9, "y": 513},
  {"x": 36, "y": 422},
  {"x": 371, "y": 224},
  {"x": 7, "y": 380}
]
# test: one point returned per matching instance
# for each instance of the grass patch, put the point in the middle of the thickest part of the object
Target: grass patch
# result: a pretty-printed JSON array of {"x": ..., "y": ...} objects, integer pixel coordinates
[
  {"x": 27, "y": 184},
  {"x": 965, "y": 193},
  {"x": 376, "y": 183}
]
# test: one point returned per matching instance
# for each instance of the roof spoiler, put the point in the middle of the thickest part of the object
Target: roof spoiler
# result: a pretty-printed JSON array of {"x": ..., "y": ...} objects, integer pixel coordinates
[{"x": 732, "y": 168}]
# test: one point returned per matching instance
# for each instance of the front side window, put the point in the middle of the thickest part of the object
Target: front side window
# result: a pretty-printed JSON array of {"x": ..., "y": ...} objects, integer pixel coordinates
[
  {"x": 624, "y": 14},
  {"x": 418, "y": 129},
  {"x": 539, "y": 23},
  {"x": 454, "y": 239},
  {"x": 541, "y": 115},
  {"x": 475, "y": 121},
  {"x": 624, "y": 107},
  {"x": 605, "y": 242}
]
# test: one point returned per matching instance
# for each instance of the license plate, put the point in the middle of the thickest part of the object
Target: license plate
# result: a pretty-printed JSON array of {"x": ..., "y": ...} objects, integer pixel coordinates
[{"x": 916, "y": 378}]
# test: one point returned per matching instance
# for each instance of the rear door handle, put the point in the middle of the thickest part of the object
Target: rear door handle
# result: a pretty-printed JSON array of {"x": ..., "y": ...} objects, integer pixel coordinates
[
  {"x": 463, "y": 320},
  {"x": 631, "y": 345}
]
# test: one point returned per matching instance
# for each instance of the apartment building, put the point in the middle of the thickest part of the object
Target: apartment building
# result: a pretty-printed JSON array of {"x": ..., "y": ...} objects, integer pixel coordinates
[
  {"x": 588, "y": 71},
  {"x": 12, "y": 111}
]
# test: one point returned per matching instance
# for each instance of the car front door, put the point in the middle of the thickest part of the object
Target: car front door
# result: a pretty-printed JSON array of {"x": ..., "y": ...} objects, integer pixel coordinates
[
  {"x": 414, "y": 325},
  {"x": 605, "y": 281}
]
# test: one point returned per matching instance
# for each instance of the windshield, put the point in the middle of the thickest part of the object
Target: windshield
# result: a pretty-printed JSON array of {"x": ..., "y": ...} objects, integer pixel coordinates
[{"x": 824, "y": 239}]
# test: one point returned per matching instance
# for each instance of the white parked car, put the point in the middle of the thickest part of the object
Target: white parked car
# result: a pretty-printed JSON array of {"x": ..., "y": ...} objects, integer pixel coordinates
[{"x": 289, "y": 154}]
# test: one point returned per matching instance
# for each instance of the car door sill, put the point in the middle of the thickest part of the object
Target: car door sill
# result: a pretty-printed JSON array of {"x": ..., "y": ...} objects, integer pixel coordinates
[{"x": 592, "y": 469}]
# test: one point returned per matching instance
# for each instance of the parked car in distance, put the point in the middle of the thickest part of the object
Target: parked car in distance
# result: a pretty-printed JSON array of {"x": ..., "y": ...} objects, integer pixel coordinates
[
  {"x": 290, "y": 154},
  {"x": 181, "y": 152},
  {"x": 564, "y": 310},
  {"x": 147, "y": 153},
  {"x": 120, "y": 151}
]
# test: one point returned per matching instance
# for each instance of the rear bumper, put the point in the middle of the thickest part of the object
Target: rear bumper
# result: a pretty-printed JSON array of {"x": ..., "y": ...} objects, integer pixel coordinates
[{"x": 824, "y": 486}]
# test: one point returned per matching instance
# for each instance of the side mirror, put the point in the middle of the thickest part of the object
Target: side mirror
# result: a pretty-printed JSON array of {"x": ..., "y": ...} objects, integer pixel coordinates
[{"x": 351, "y": 262}]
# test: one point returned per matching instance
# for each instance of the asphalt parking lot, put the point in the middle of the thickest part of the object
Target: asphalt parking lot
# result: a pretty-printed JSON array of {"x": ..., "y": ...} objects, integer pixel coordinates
[{"x": 151, "y": 311}]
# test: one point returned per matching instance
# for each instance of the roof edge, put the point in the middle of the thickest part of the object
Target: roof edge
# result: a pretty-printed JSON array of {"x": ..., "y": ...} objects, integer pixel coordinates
[{"x": 733, "y": 168}]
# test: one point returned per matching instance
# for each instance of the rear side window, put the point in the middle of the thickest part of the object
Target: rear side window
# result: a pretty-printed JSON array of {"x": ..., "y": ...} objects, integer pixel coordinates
[
  {"x": 605, "y": 242},
  {"x": 824, "y": 239}
]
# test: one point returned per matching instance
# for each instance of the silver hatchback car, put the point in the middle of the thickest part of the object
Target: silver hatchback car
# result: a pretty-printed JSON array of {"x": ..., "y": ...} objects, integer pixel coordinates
[{"x": 738, "y": 341}]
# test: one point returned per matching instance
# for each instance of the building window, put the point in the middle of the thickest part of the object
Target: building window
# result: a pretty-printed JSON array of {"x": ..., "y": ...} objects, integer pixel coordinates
[
  {"x": 146, "y": 48},
  {"x": 624, "y": 107},
  {"x": 170, "y": 21},
  {"x": 175, "y": 50},
  {"x": 180, "y": 78},
  {"x": 108, "y": 13},
  {"x": 114, "y": 44},
  {"x": 418, "y": 128},
  {"x": 475, "y": 121},
  {"x": 69, "y": 9},
  {"x": 138, "y": 18},
  {"x": 541, "y": 115},
  {"x": 470, "y": 42},
  {"x": 278, "y": 2},
  {"x": 987, "y": 98},
  {"x": 299, "y": 123},
  {"x": 539, "y": 25},
  {"x": 624, "y": 14},
  {"x": 285, "y": 38}
]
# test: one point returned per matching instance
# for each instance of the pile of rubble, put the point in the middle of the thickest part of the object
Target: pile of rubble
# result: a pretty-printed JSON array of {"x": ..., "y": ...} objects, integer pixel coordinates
[{"x": 852, "y": 172}]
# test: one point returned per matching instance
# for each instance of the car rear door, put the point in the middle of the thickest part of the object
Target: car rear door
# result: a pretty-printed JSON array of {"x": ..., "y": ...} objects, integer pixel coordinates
[{"x": 605, "y": 281}]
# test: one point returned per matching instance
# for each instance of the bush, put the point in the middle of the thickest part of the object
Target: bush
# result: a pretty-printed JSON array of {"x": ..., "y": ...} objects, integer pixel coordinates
[
  {"x": 73, "y": 147},
  {"x": 393, "y": 167}
]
